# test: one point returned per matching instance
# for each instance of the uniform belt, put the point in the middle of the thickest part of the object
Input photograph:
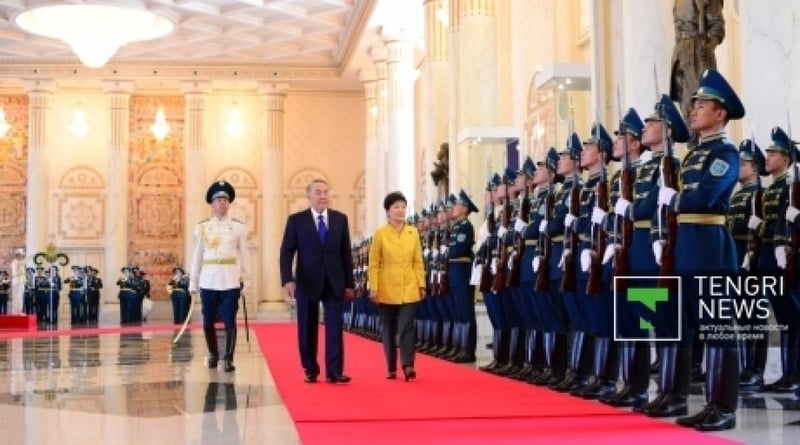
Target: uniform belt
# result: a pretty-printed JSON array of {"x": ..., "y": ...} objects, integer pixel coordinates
[
  {"x": 743, "y": 237},
  {"x": 531, "y": 242},
  {"x": 462, "y": 259},
  {"x": 641, "y": 224},
  {"x": 230, "y": 260},
  {"x": 557, "y": 238},
  {"x": 179, "y": 289},
  {"x": 584, "y": 238},
  {"x": 127, "y": 288},
  {"x": 701, "y": 218}
]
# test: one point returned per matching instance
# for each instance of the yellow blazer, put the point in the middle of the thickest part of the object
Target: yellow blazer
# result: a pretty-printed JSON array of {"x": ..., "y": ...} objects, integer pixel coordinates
[{"x": 396, "y": 271}]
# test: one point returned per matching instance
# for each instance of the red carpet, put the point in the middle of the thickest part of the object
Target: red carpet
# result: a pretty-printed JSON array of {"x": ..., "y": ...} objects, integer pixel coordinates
[{"x": 448, "y": 403}]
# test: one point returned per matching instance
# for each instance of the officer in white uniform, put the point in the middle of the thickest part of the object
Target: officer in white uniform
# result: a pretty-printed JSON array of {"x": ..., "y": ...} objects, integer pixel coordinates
[{"x": 220, "y": 270}]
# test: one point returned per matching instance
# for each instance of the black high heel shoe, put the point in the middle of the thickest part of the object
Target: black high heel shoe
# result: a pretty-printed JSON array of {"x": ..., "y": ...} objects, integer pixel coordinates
[
  {"x": 409, "y": 373},
  {"x": 391, "y": 375}
]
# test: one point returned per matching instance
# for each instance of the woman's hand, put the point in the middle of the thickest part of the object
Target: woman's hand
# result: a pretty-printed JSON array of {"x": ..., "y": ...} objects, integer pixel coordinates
[
  {"x": 373, "y": 296},
  {"x": 422, "y": 293}
]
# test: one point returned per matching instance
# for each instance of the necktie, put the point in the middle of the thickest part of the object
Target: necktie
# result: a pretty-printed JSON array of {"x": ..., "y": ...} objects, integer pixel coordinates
[{"x": 322, "y": 229}]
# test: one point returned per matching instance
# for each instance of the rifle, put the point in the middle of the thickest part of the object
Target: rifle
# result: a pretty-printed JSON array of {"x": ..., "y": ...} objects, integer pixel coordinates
[
  {"x": 621, "y": 256},
  {"x": 792, "y": 233},
  {"x": 516, "y": 263},
  {"x": 486, "y": 274},
  {"x": 499, "y": 283},
  {"x": 571, "y": 236},
  {"x": 754, "y": 245},
  {"x": 668, "y": 176},
  {"x": 594, "y": 286},
  {"x": 444, "y": 284},
  {"x": 545, "y": 244}
]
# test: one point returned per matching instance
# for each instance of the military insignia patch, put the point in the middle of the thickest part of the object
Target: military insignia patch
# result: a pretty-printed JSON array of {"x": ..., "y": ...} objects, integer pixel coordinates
[
  {"x": 461, "y": 237},
  {"x": 718, "y": 167}
]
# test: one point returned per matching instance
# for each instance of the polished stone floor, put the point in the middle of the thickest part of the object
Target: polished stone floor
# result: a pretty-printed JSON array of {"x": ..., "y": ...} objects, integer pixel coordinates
[{"x": 140, "y": 388}]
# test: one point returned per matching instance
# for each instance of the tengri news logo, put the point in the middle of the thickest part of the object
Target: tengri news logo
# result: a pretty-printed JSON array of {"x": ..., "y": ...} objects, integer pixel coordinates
[{"x": 647, "y": 308}]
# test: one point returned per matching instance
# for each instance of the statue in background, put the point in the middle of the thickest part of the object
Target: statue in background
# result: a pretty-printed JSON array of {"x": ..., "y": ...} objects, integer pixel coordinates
[
  {"x": 441, "y": 169},
  {"x": 699, "y": 29}
]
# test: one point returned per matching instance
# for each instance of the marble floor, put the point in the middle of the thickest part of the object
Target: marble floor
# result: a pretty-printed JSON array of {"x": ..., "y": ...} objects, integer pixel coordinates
[{"x": 140, "y": 388}]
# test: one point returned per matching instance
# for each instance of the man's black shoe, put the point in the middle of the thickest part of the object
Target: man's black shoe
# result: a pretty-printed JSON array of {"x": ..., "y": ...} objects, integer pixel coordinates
[
  {"x": 310, "y": 378},
  {"x": 341, "y": 378}
]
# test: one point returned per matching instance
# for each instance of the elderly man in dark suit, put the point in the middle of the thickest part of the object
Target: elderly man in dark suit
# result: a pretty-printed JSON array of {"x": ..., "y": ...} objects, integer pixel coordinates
[{"x": 319, "y": 238}]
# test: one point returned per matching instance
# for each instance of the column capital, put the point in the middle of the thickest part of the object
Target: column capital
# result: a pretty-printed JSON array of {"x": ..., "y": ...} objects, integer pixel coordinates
[
  {"x": 118, "y": 86},
  {"x": 196, "y": 86},
  {"x": 377, "y": 53},
  {"x": 271, "y": 88},
  {"x": 395, "y": 33},
  {"x": 39, "y": 85},
  {"x": 367, "y": 75}
]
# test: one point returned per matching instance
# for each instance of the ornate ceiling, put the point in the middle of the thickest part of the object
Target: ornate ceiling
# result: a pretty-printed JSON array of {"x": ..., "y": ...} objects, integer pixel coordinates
[{"x": 308, "y": 44}]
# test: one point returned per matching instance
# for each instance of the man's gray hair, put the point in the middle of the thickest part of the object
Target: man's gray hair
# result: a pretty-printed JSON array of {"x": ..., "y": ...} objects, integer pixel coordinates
[{"x": 316, "y": 181}]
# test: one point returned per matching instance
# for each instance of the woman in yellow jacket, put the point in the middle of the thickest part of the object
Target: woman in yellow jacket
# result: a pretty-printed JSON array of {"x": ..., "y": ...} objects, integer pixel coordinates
[{"x": 397, "y": 283}]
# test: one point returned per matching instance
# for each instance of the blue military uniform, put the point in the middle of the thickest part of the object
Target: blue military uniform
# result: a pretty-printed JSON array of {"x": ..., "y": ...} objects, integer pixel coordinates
[
  {"x": 5, "y": 289},
  {"x": 461, "y": 292},
  {"x": 774, "y": 233},
  {"x": 178, "y": 288},
  {"x": 95, "y": 284},
  {"x": 704, "y": 247},
  {"x": 128, "y": 296},
  {"x": 78, "y": 294},
  {"x": 744, "y": 202}
]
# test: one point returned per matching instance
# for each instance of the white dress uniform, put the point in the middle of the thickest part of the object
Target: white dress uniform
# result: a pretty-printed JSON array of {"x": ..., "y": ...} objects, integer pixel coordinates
[{"x": 221, "y": 259}]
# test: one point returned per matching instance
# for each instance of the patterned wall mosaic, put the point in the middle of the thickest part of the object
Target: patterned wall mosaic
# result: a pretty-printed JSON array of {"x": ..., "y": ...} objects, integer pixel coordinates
[
  {"x": 13, "y": 177},
  {"x": 156, "y": 188}
]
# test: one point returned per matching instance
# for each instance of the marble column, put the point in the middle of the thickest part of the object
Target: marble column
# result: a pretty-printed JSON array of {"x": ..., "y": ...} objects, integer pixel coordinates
[
  {"x": 195, "y": 181},
  {"x": 115, "y": 239},
  {"x": 38, "y": 186},
  {"x": 373, "y": 175},
  {"x": 770, "y": 61},
  {"x": 378, "y": 55},
  {"x": 437, "y": 87},
  {"x": 270, "y": 294},
  {"x": 644, "y": 38},
  {"x": 400, "y": 78}
]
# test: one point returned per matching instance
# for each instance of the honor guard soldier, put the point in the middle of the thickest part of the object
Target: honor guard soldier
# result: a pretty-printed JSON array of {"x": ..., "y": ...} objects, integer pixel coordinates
[
  {"x": 521, "y": 276},
  {"x": 5, "y": 288},
  {"x": 432, "y": 327},
  {"x": 29, "y": 307},
  {"x": 628, "y": 148},
  {"x": 178, "y": 290},
  {"x": 593, "y": 283},
  {"x": 143, "y": 292},
  {"x": 441, "y": 288},
  {"x": 459, "y": 271},
  {"x": 220, "y": 270},
  {"x": 128, "y": 295},
  {"x": 546, "y": 299},
  {"x": 772, "y": 259},
  {"x": 488, "y": 259},
  {"x": 77, "y": 295},
  {"x": 566, "y": 222},
  {"x": 743, "y": 221},
  {"x": 704, "y": 247},
  {"x": 95, "y": 284}
]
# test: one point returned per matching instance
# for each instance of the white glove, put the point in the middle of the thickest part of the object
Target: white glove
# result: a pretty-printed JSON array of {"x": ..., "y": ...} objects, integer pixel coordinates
[
  {"x": 611, "y": 250},
  {"x": 621, "y": 206},
  {"x": 780, "y": 256},
  {"x": 543, "y": 226},
  {"x": 443, "y": 250},
  {"x": 501, "y": 232},
  {"x": 791, "y": 214},
  {"x": 519, "y": 225},
  {"x": 598, "y": 215},
  {"x": 563, "y": 259},
  {"x": 493, "y": 266},
  {"x": 658, "y": 250},
  {"x": 665, "y": 195},
  {"x": 245, "y": 290},
  {"x": 746, "y": 260},
  {"x": 511, "y": 260},
  {"x": 426, "y": 252},
  {"x": 586, "y": 259},
  {"x": 754, "y": 222},
  {"x": 569, "y": 220},
  {"x": 193, "y": 288},
  {"x": 536, "y": 263}
]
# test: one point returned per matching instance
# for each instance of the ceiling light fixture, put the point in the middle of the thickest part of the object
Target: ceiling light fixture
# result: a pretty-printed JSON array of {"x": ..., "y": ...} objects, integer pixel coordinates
[
  {"x": 94, "y": 32},
  {"x": 160, "y": 127}
]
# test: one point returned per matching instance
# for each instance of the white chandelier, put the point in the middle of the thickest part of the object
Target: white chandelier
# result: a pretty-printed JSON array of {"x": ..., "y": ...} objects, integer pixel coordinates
[{"x": 94, "y": 32}]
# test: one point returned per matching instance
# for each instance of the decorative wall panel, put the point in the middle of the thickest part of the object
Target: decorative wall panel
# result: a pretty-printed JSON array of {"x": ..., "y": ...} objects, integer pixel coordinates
[
  {"x": 80, "y": 207},
  {"x": 13, "y": 177}
]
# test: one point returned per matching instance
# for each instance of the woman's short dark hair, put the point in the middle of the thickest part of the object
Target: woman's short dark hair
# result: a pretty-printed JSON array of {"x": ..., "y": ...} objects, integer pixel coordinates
[{"x": 392, "y": 198}]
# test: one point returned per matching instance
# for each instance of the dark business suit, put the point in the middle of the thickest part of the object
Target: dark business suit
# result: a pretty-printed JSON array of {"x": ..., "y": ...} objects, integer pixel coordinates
[{"x": 323, "y": 272}]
